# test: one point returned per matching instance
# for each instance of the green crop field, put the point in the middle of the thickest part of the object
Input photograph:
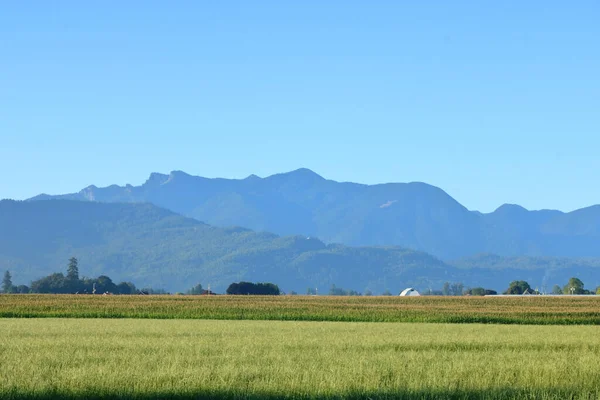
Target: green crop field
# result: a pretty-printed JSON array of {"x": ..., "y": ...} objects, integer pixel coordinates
[
  {"x": 185, "y": 359},
  {"x": 560, "y": 310},
  {"x": 186, "y": 347}
]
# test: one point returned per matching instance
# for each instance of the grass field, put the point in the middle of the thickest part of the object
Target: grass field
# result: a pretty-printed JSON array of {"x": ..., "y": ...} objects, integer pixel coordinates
[
  {"x": 102, "y": 358},
  {"x": 502, "y": 310}
]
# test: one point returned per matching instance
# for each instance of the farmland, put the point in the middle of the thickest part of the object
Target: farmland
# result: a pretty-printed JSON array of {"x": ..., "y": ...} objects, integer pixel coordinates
[
  {"x": 131, "y": 358},
  {"x": 542, "y": 310},
  {"x": 254, "y": 347}
]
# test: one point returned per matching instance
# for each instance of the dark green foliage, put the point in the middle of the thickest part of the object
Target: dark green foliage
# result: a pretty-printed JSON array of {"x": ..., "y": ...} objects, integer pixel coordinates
[
  {"x": 54, "y": 283},
  {"x": 7, "y": 286},
  {"x": 99, "y": 285},
  {"x": 126, "y": 288},
  {"x": 249, "y": 288},
  {"x": 22, "y": 289},
  {"x": 72, "y": 282},
  {"x": 518, "y": 287},
  {"x": 58, "y": 283},
  {"x": 72, "y": 270}
]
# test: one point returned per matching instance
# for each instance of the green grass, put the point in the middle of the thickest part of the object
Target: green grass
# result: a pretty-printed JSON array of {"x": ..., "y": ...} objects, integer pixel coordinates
[
  {"x": 502, "y": 310},
  {"x": 101, "y": 358}
]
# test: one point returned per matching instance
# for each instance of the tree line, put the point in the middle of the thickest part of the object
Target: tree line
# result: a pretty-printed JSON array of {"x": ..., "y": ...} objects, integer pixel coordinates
[
  {"x": 249, "y": 288},
  {"x": 72, "y": 283},
  {"x": 573, "y": 286},
  {"x": 69, "y": 283}
]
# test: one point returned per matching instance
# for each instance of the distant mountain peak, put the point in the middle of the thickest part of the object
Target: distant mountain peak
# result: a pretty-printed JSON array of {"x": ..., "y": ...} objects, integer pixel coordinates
[
  {"x": 252, "y": 177},
  {"x": 511, "y": 208},
  {"x": 88, "y": 192},
  {"x": 179, "y": 173},
  {"x": 306, "y": 172},
  {"x": 303, "y": 174},
  {"x": 156, "y": 178}
]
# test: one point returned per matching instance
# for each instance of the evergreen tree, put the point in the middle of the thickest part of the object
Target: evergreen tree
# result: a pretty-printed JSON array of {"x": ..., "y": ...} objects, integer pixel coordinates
[
  {"x": 7, "y": 286},
  {"x": 72, "y": 282},
  {"x": 73, "y": 270}
]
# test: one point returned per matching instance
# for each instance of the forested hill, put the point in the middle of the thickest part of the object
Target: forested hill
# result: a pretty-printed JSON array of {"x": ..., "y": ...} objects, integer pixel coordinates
[
  {"x": 412, "y": 215},
  {"x": 155, "y": 247}
]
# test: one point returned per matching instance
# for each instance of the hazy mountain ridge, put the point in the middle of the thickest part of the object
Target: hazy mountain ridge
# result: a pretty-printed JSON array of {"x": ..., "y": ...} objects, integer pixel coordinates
[
  {"x": 156, "y": 247},
  {"x": 414, "y": 215}
]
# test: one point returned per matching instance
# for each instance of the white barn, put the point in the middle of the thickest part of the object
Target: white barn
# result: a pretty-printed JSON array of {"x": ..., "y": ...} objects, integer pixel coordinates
[{"x": 409, "y": 292}]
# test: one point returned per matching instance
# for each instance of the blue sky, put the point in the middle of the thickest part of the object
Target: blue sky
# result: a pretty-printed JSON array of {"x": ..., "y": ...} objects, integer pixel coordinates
[{"x": 495, "y": 103}]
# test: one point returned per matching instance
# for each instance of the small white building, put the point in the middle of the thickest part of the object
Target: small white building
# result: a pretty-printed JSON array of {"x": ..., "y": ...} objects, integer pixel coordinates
[{"x": 409, "y": 292}]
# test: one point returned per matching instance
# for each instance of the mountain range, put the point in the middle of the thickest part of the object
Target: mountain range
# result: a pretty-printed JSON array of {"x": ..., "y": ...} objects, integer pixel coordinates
[
  {"x": 411, "y": 215},
  {"x": 152, "y": 246},
  {"x": 155, "y": 247}
]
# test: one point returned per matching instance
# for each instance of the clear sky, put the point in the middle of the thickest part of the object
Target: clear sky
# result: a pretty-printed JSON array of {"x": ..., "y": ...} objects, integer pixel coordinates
[{"x": 495, "y": 102}]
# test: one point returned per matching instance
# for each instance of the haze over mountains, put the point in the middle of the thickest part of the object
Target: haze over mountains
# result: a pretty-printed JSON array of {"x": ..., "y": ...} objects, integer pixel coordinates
[
  {"x": 155, "y": 247},
  {"x": 412, "y": 215}
]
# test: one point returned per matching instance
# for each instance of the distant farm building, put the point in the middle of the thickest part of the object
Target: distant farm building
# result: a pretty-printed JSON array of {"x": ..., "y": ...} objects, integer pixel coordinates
[{"x": 409, "y": 292}]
